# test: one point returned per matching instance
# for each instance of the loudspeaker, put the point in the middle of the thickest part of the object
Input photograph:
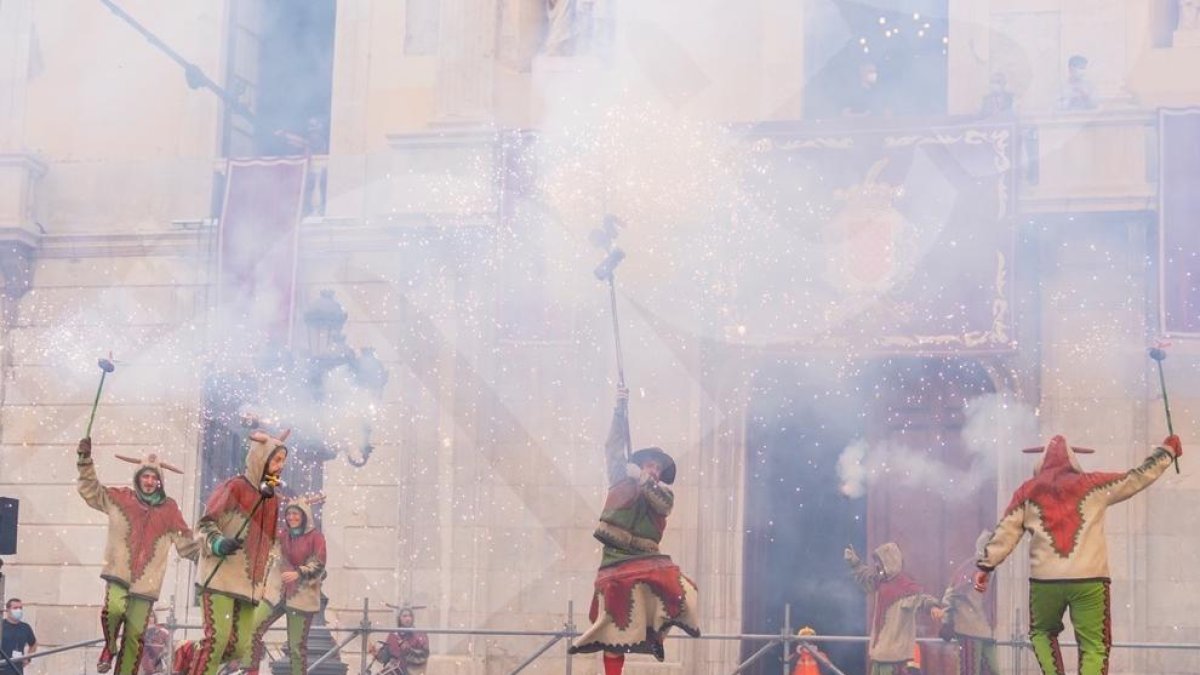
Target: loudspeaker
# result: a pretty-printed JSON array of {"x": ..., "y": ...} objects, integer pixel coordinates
[{"x": 8, "y": 525}]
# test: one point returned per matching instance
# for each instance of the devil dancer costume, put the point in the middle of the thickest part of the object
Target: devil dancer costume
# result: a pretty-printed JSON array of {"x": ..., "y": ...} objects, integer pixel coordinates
[
  {"x": 143, "y": 524},
  {"x": 639, "y": 592},
  {"x": 234, "y": 566},
  {"x": 966, "y": 618},
  {"x": 1062, "y": 508},
  {"x": 294, "y": 587},
  {"x": 896, "y": 602}
]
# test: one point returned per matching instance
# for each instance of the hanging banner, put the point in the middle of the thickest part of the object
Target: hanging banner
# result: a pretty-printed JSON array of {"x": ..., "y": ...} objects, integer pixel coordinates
[
  {"x": 258, "y": 237},
  {"x": 895, "y": 240}
]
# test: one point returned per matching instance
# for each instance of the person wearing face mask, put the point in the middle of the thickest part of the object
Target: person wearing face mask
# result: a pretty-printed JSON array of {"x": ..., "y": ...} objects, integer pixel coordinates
[
  {"x": 143, "y": 524},
  {"x": 18, "y": 639},
  {"x": 238, "y": 539},
  {"x": 639, "y": 592},
  {"x": 897, "y": 601},
  {"x": 294, "y": 587}
]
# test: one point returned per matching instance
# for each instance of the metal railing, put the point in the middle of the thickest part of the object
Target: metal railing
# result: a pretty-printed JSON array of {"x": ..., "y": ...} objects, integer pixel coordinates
[{"x": 791, "y": 643}]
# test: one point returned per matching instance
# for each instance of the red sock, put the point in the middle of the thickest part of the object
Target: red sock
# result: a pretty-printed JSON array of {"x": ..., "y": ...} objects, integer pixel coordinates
[{"x": 613, "y": 663}]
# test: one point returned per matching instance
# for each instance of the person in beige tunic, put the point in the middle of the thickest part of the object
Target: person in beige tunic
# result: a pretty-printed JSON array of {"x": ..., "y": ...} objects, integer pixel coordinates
[
  {"x": 238, "y": 531},
  {"x": 897, "y": 601},
  {"x": 143, "y": 524},
  {"x": 294, "y": 585}
]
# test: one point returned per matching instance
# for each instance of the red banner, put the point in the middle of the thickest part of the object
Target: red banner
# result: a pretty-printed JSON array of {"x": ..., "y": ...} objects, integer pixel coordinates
[
  {"x": 1179, "y": 221},
  {"x": 258, "y": 238}
]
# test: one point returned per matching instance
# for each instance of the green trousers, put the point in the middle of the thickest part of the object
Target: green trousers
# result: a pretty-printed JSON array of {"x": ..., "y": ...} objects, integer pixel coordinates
[
  {"x": 1089, "y": 604},
  {"x": 123, "y": 619},
  {"x": 228, "y": 632},
  {"x": 298, "y": 624}
]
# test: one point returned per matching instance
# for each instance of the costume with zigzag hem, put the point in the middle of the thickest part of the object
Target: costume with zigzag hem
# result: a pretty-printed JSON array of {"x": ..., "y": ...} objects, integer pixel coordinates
[
  {"x": 639, "y": 593},
  {"x": 142, "y": 528},
  {"x": 239, "y": 579},
  {"x": 1063, "y": 508},
  {"x": 303, "y": 553}
]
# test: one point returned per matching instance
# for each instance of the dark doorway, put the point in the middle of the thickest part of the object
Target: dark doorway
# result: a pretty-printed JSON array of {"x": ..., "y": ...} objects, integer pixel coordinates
[
  {"x": 799, "y": 519},
  {"x": 906, "y": 41},
  {"x": 947, "y": 494}
]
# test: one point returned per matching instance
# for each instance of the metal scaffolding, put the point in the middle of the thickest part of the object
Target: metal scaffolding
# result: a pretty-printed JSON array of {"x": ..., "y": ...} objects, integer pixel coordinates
[{"x": 790, "y": 642}]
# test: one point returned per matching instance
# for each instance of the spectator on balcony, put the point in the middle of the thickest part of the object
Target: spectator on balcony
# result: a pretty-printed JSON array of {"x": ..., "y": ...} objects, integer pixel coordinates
[
  {"x": 865, "y": 99},
  {"x": 313, "y": 141},
  {"x": 1189, "y": 15},
  {"x": 998, "y": 100},
  {"x": 1078, "y": 94}
]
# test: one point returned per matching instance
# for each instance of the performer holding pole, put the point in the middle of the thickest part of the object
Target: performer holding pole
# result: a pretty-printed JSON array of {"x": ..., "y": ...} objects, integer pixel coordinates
[
  {"x": 1063, "y": 509},
  {"x": 143, "y": 524},
  {"x": 244, "y": 504},
  {"x": 106, "y": 367},
  {"x": 639, "y": 592},
  {"x": 605, "y": 238},
  {"x": 1159, "y": 355}
]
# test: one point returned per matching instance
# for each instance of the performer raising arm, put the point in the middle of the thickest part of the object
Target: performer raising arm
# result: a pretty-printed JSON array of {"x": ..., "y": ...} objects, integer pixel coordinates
[
  {"x": 639, "y": 592},
  {"x": 1062, "y": 508},
  {"x": 143, "y": 524},
  {"x": 896, "y": 601}
]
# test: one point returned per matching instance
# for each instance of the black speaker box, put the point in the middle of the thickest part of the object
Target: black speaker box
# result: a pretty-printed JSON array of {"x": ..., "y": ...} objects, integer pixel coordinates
[{"x": 8, "y": 525}]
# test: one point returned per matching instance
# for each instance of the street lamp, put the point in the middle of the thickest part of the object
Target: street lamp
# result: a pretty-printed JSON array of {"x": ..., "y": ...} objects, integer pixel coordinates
[{"x": 325, "y": 319}]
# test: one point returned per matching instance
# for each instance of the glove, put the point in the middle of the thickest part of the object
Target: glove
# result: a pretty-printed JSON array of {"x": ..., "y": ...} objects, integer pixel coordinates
[
  {"x": 981, "y": 581},
  {"x": 84, "y": 450},
  {"x": 1174, "y": 444},
  {"x": 851, "y": 556},
  {"x": 226, "y": 546}
]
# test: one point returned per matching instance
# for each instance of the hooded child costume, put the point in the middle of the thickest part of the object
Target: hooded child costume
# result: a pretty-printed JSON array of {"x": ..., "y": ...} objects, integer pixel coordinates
[
  {"x": 966, "y": 619},
  {"x": 302, "y": 552},
  {"x": 897, "y": 600}
]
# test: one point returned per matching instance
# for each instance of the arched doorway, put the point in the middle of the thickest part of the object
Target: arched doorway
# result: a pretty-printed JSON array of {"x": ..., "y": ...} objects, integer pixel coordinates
[{"x": 918, "y": 484}]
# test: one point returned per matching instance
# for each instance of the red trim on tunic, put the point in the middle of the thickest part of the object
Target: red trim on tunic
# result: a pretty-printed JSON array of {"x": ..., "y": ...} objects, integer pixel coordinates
[
  {"x": 147, "y": 524},
  {"x": 616, "y": 583},
  {"x": 238, "y": 496},
  {"x": 297, "y": 551},
  {"x": 889, "y": 593},
  {"x": 1058, "y": 491}
]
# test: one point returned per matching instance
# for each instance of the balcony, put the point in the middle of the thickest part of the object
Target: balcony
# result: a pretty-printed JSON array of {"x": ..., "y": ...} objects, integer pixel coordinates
[{"x": 1094, "y": 161}]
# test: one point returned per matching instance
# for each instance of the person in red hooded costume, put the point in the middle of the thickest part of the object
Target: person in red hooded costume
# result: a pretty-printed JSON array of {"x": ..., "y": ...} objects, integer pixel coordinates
[
  {"x": 897, "y": 602},
  {"x": 1062, "y": 508}
]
